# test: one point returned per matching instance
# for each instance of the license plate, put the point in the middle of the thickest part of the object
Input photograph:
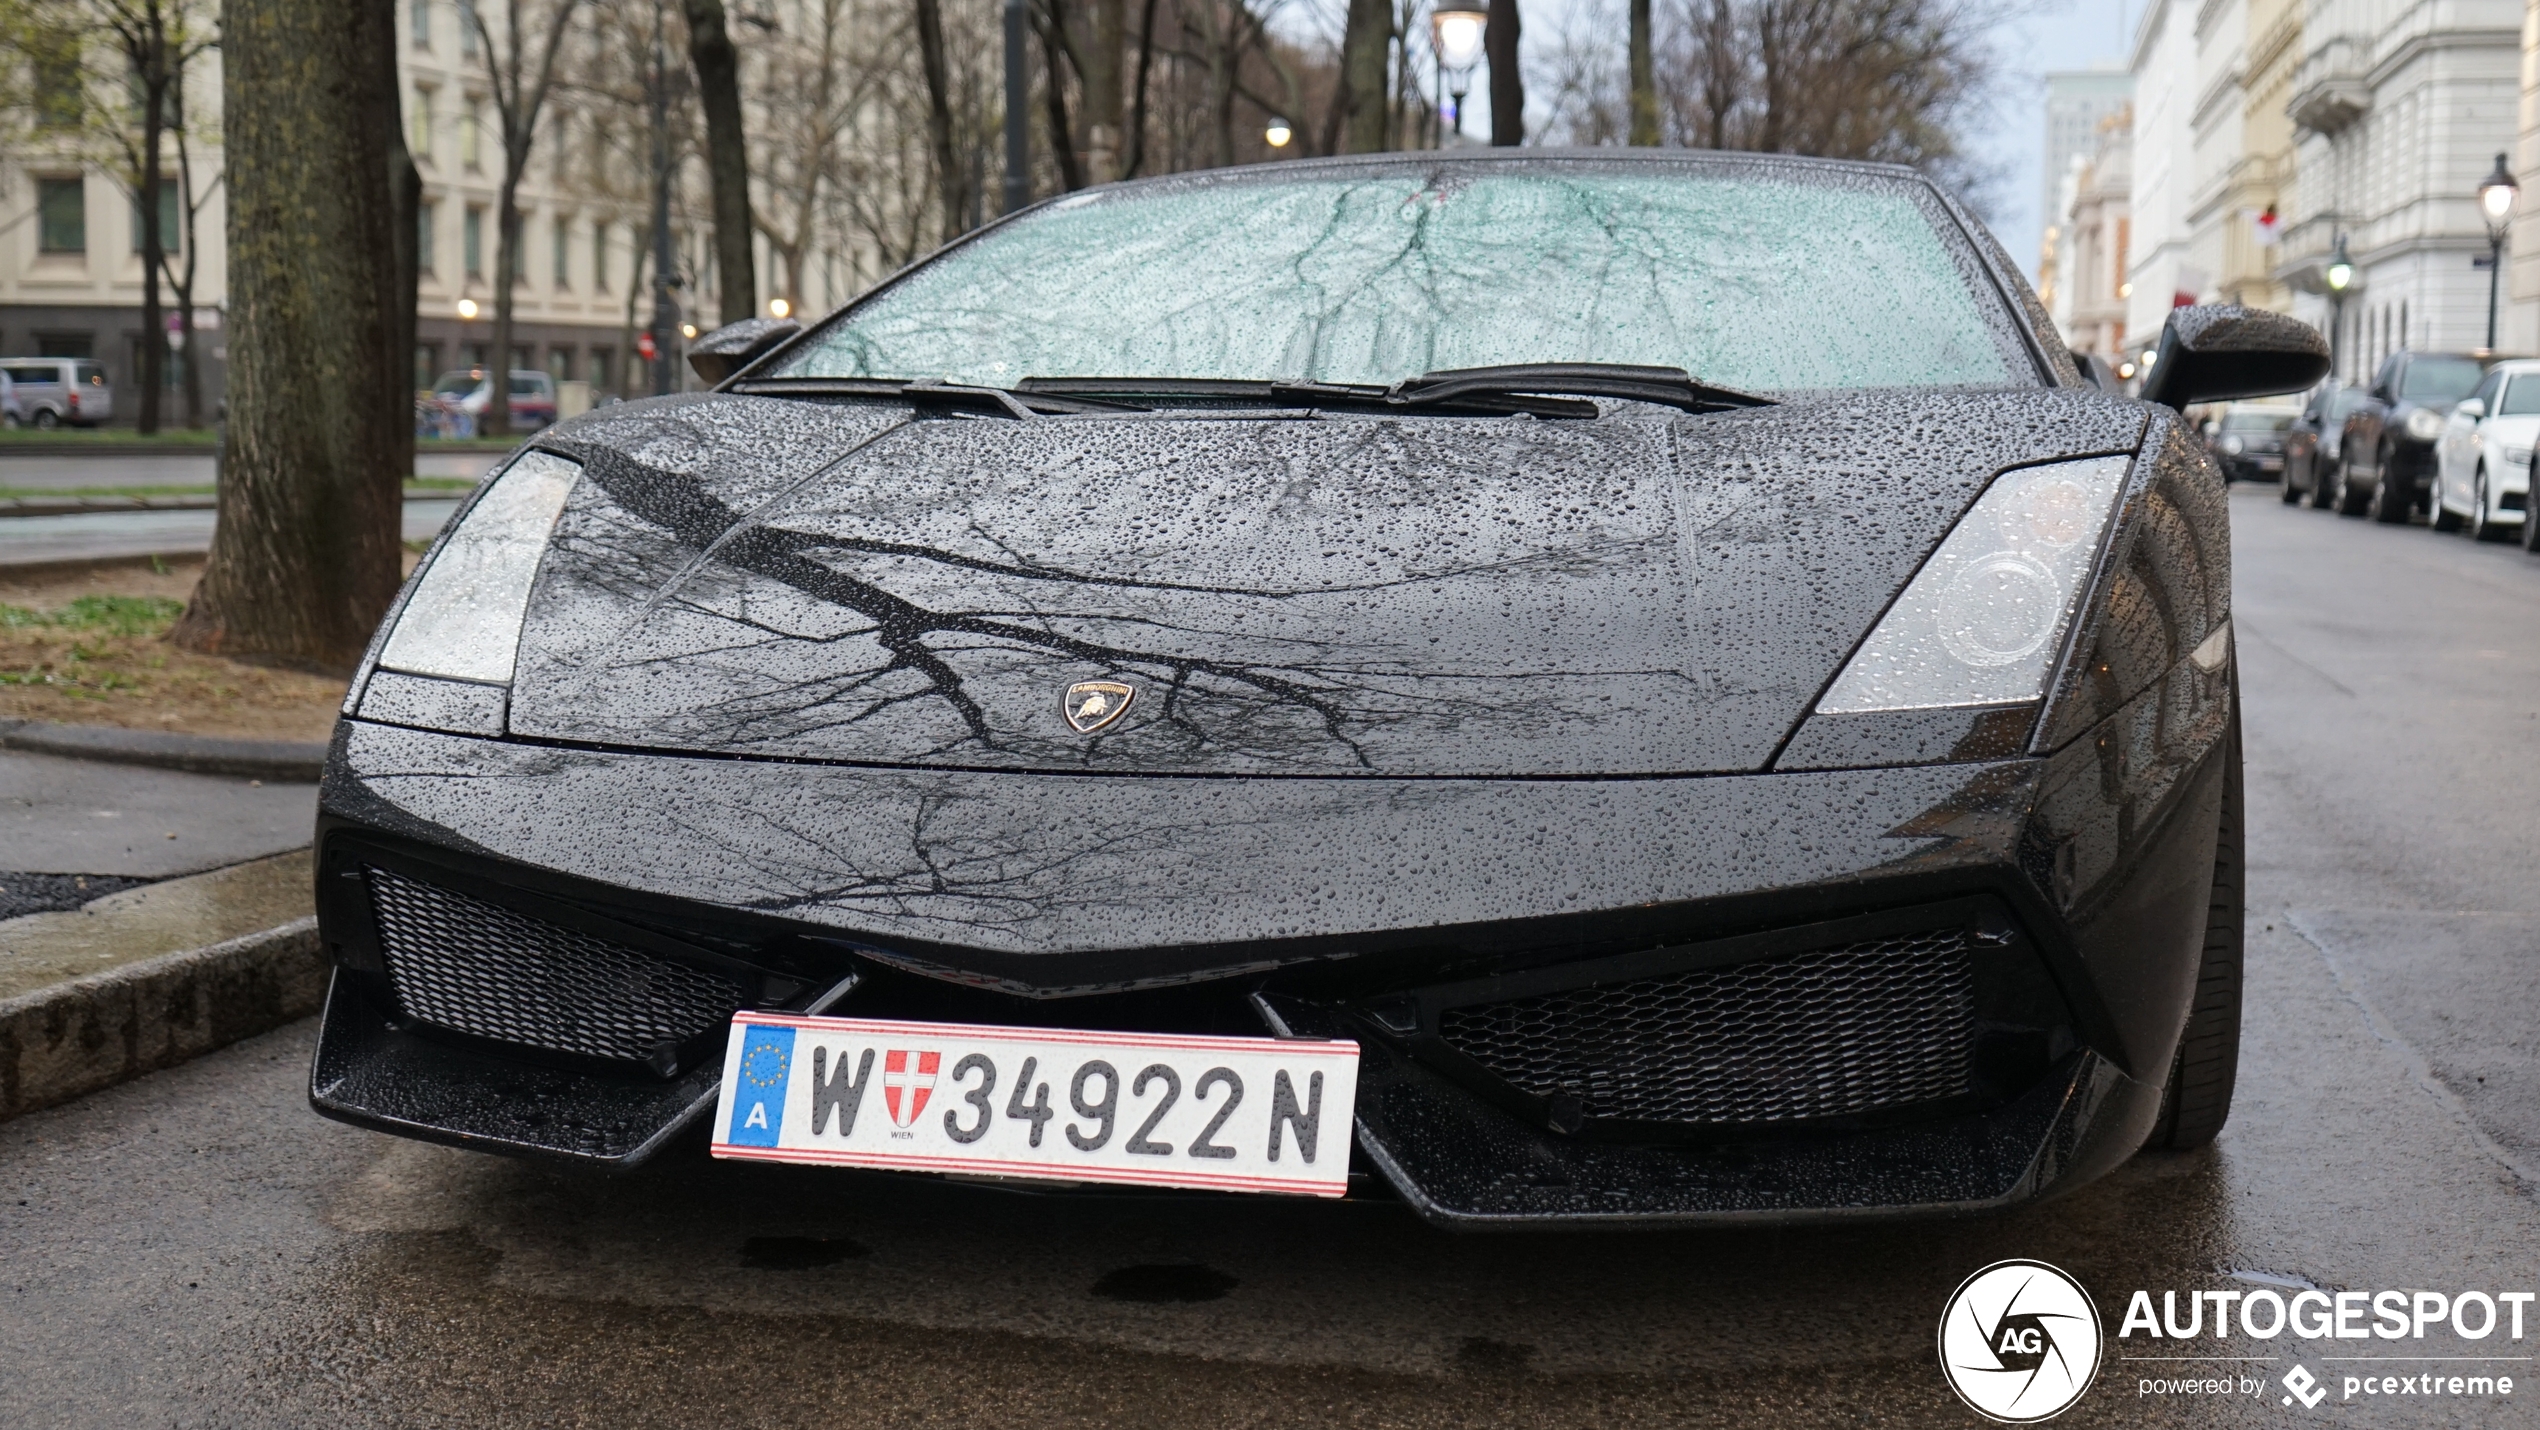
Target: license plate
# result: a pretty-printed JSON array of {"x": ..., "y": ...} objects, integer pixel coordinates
[
  {"x": 1147, "y": 1109},
  {"x": 2270, "y": 464}
]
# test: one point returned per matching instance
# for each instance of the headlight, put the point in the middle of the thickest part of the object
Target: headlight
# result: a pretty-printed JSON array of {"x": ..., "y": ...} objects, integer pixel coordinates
[
  {"x": 1982, "y": 622},
  {"x": 2425, "y": 424},
  {"x": 2234, "y": 446},
  {"x": 462, "y": 621}
]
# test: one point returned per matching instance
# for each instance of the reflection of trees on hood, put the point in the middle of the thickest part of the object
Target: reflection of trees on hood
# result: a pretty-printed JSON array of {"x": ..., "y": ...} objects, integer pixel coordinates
[{"x": 1315, "y": 705}]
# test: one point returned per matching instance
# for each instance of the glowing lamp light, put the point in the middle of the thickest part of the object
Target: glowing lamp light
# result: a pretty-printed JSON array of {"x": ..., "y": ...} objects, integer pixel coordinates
[
  {"x": 1457, "y": 33},
  {"x": 2496, "y": 194},
  {"x": 778, "y": 307},
  {"x": 467, "y": 310},
  {"x": 687, "y": 330},
  {"x": 1278, "y": 134}
]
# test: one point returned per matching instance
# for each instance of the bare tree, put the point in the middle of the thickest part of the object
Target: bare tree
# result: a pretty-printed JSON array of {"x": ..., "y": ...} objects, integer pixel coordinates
[
  {"x": 305, "y": 554},
  {"x": 520, "y": 76},
  {"x": 1507, "y": 74},
  {"x": 718, "y": 67},
  {"x": 1644, "y": 65}
]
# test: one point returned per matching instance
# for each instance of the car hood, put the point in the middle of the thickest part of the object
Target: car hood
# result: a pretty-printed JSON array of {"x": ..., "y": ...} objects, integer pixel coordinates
[{"x": 1651, "y": 592}]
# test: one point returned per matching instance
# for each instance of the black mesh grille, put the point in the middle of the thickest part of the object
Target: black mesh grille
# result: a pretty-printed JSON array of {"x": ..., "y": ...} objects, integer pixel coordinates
[
  {"x": 1826, "y": 1033},
  {"x": 471, "y": 967}
]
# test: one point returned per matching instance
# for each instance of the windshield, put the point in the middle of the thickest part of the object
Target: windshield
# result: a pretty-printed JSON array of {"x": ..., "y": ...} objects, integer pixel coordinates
[
  {"x": 2439, "y": 379},
  {"x": 2521, "y": 396},
  {"x": 2262, "y": 419},
  {"x": 1764, "y": 280},
  {"x": 453, "y": 383}
]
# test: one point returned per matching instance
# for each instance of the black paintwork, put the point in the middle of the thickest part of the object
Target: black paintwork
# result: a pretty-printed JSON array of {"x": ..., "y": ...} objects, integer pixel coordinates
[{"x": 1426, "y": 700}]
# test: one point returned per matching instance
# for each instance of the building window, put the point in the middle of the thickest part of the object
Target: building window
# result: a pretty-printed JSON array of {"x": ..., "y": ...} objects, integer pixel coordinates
[
  {"x": 171, "y": 214},
  {"x": 420, "y": 120},
  {"x": 59, "y": 93},
  {"x": 560, "y": 364},
  {"x": 563, "y": 233},
  {"x": 599, "y": 257},
  {"x": 419, "y": 20},
  {"x": 427, "y": 363},
  {"x": 602, "y": 359},
  {"x": 62, "y": 215},
  {"x": 425, "y": 213},
  {"x": 467, "y": 29},
  {"x": 472, "y": 242},
  {"x": 468, "y": 133}
]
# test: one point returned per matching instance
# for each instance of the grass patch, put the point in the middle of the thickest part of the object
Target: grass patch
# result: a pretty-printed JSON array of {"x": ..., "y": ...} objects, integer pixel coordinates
[
  {"x": 107, "y": 615},
  {"x": 123, "y": 437}
]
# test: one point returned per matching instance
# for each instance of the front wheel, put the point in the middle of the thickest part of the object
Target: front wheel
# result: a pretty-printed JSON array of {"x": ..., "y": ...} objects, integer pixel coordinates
[
  {"x": 2292, "y": 494},
  {"x": 2197, "y": 1100},
  {"x": 2347, "y": 500},
  {"x": 2482, "y": 519},
  {"x": 46, "y": 419},
  {"x": 2393, "y": 496},
  {"x": 2439, "y": 516}
]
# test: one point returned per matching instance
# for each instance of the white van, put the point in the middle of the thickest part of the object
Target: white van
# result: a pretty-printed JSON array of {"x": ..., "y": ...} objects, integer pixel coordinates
[{"x": 53, "y": 392}]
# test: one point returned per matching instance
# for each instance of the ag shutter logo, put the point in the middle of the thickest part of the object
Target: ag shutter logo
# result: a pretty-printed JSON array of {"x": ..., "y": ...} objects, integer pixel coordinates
[{"x": 2019, "y": 1342}]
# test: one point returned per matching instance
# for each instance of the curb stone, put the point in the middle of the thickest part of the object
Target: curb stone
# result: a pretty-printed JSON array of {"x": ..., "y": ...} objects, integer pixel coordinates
[
  {"x": 282, "y": 761},
  {"x": 75, "y": 1037}
]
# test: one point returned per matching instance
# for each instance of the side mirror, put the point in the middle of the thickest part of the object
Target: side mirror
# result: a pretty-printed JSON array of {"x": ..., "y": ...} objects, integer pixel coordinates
[
  {"x": 2222, "y": 352},
  {"x": 734, "y": 346},
  {"x": 2471, "y": 408}
]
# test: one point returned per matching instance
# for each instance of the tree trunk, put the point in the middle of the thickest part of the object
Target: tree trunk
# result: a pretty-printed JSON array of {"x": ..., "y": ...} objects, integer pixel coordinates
[
  {"x": 1107, "y": 46},
  {"x": 1644, "y": 78},
  {"x": 1134, "y": 152},
  {"x": 1051, "y": 23},
  {"x": 154, "y": 337},
  {"x": 1507, "y": 79},
  {"x": 305, "y": 554},
  {"x": 189, "y": 243},
  {"x": 939, "y": 124},
  {"x": 1360, "y": 96},
  {"x": 718, "y": 68},
  {"x": 498, "y": 397}
]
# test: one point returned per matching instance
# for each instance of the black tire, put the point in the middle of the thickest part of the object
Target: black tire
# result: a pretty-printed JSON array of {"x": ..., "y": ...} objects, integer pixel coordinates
[
  {"x": 2436, "y": 516},
  {"x": 2197, "y": 1101},
  {"x": 2393, "y": 497},
  {"x": 2483, "y": 527},
  {"x": 46, "y": 419},
  {"x": 2344, "y": 499},
  {"x": 2530, "y": 528},
  {"x": 2292, "y": 493}
]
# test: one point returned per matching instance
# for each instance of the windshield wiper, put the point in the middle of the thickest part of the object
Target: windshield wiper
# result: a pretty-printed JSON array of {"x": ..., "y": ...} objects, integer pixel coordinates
[
  {"x": 1345, "y": 396},
  {"x": 1004, "y": 401},
  {"x": 1550, "y": 389}
]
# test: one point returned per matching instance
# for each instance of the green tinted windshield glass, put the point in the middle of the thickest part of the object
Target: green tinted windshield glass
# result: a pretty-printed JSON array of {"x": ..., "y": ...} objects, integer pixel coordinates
[
  {"x": 1765, "y": 282},
  {"x": 2439, "y": 379}
]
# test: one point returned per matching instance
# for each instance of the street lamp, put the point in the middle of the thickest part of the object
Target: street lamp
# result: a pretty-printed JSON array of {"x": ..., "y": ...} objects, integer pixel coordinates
[
  {"x": 2496, "y": 205},
  {"x": 1455, "y": 37},
  {"x": 2341, "y": 276},
  {"x": 778, "y": 308},
  {"x": 1278, "y": 134}
]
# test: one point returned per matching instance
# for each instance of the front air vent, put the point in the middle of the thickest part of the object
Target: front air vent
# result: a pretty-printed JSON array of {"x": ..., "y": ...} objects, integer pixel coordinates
[
  {"x": 473, "y": 967},
  {"x": 1831, "y": 1032}
]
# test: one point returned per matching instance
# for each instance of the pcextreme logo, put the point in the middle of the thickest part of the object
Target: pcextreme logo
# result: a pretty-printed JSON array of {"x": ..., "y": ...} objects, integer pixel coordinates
[{"x": 2019, "y": 1342}]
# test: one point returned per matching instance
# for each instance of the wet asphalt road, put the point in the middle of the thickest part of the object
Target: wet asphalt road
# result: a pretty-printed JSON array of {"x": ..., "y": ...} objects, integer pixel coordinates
[{"x": 197, "y": 1249}]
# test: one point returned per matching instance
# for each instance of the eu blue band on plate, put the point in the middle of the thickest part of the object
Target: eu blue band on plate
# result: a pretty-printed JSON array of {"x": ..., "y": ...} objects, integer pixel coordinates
[{"x": 758, "y": 1102}]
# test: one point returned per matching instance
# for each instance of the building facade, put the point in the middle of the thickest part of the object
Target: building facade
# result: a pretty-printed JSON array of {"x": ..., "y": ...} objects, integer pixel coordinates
[
  {"x": 2399, "y": 109},
  {"x": 2161, "y": 270},
  {"x": 2100, "y": 232}
]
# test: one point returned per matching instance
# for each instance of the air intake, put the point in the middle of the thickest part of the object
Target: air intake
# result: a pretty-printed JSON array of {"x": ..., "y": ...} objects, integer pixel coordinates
[
  {"x": 476, "y": 968},
  {"x": 1827, "y": 1033}
]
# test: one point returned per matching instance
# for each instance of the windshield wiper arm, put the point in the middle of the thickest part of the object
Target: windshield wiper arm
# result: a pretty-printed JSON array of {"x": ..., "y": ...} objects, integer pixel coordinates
[
  {"x": 1018, "y": 403},
  {"x": 1301, "y": 393},
  {"x": 1670, "y": 386}
]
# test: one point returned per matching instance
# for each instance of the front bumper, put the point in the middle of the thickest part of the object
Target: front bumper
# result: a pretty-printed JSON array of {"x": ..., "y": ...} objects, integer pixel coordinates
[{"x": 1358, "y": 908}]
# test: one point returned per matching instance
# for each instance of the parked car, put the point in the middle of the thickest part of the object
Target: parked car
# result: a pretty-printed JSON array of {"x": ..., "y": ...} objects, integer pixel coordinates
[
  {"x": 57, "y": 392},
  {"x": 2386, "y": 457},
  {"x": 2312, "y": 443},
  {"x": 2248, "y": 440},
  {"x": 11, "y": 415},
  {"x": 2483, "y": 462},
  {"x": 1239, "y": 723},
  {"x": 533, "y": 396}
]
